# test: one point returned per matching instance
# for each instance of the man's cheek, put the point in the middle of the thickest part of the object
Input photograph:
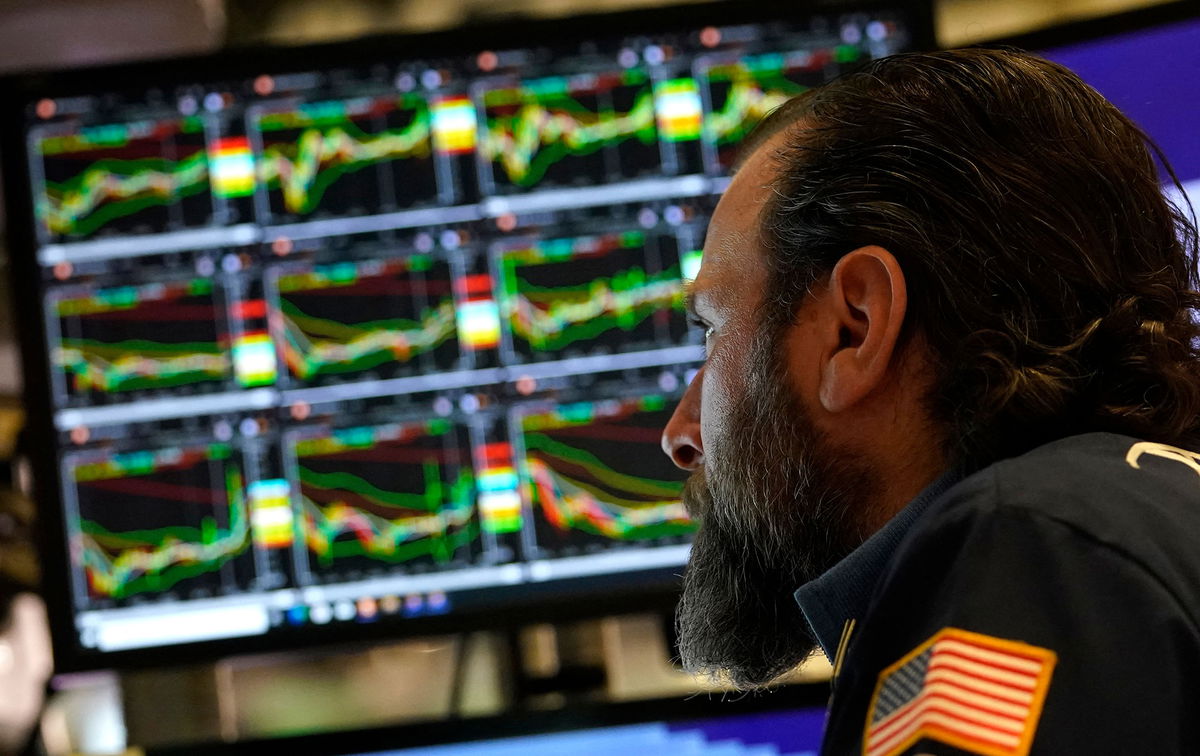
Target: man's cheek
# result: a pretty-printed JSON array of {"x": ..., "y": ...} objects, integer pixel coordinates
[{"x": 723, "y": 390}]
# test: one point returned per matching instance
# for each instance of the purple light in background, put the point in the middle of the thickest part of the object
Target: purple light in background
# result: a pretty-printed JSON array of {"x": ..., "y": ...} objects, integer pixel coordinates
[
  {"x": 792, "y": 732},
  {"x": 1153, "y": 76}
]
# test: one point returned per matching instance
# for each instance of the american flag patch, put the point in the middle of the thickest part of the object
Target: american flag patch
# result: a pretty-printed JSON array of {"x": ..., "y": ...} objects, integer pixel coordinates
[{"x": 974, "y": 692}]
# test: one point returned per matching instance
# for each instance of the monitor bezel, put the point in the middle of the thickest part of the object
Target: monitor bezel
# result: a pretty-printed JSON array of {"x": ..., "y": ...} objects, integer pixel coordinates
[{"x": 656, "y": 590}]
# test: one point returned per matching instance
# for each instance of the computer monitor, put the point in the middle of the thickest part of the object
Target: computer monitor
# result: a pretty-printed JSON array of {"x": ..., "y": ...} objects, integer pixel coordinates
[
  {"x": 1145, "y": 62},
  {"x": 788, "y": 722},
  {"x": 353, "y": 341}
]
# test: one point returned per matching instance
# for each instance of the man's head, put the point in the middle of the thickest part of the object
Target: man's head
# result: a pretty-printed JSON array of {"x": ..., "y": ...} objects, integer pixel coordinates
[{"x": 943, "y": 259}]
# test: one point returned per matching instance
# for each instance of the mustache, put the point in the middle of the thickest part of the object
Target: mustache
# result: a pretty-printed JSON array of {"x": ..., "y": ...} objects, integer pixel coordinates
[{"x": 697, "y": 496}]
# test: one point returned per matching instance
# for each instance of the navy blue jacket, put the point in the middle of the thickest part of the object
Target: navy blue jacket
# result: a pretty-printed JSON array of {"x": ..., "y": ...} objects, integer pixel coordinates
[{"x": 1047, "y": 604}]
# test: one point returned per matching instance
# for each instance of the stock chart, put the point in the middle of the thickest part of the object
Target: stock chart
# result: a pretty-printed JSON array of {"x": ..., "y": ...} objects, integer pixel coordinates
[
  {"x": 392, "y": 317},
  {"x": 744, "y": 90},
  {"x": 570, "y": 131},
  {"x": 595, "y": 475},
  {"x": 359, "y": 156},
  {"x": 139, "y": 177},
  {"x": 130, "y": 338},
  {"x": 394, "y": 337},
  {"x": 611, "y": 292},
  {"x": 163, "y": 521},
  {"x": 399, "y": 494}
]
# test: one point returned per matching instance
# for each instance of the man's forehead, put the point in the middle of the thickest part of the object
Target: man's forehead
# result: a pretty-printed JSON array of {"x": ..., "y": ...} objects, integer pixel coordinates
[
  {"x": 732, "y": 245},
  {"x": 723, "y": 249},
  {"x": 758, "y": 169}
]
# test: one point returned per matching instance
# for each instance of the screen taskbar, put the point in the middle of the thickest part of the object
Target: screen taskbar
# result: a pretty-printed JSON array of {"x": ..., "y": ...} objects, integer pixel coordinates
[{"x": 361, "y": 601}]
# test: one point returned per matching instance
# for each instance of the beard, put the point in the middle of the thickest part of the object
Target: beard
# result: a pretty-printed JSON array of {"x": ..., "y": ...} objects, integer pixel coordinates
[{"x": 778, "y": 505}]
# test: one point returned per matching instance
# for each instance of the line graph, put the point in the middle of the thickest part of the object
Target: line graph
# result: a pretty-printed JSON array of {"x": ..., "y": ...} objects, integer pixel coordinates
[
  {"x": 151, "y": 522},
  {"x": 741, "y": 92},
  {"x": 407, "y": 310},
  {"x": 139, "y": 177},
  {"x": 380, "y": 496},
  {"x": 612, "y": 292},
  {"x": 129, "y": 338},
  {"x": 593, "y": 473},
  {"x": 347, "y": 157},
  {"x": 563, "y": 131}
]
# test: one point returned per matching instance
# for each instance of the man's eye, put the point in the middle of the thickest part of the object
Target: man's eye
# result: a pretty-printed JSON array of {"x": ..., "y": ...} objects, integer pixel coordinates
[{"x": 704, "y": 328}]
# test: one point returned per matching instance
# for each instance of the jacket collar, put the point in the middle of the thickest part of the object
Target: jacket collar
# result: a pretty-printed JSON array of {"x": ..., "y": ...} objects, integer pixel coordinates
[{"x": 844, "y": 591}]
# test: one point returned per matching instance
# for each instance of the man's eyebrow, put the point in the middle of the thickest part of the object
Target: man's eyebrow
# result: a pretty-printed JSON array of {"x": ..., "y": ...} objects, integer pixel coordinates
[{"x": 689, "y": 296}]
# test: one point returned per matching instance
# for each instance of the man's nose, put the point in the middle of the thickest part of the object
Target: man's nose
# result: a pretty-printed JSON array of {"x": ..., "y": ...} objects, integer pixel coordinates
[{"x": 681, "y": 438}]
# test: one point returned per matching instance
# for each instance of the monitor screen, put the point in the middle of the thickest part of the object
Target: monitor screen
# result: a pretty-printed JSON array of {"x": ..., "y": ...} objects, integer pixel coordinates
[
  {"x": 1149, "y": 73},
  {"x": 782, "y": 733},
  {"x": 787, "y": 722},
  {"x": 347, "y": 342}
]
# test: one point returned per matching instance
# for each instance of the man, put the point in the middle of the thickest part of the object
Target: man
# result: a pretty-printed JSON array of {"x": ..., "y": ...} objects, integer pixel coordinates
[{"x": 950, "y": 387}]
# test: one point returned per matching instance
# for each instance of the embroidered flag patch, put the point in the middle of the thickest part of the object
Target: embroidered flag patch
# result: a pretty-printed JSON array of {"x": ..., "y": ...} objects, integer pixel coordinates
[{"x": 971, "y": 691}]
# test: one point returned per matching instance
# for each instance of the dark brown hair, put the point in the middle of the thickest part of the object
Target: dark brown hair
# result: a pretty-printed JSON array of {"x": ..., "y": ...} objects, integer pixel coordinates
[{"x": 1052, "y": 281}]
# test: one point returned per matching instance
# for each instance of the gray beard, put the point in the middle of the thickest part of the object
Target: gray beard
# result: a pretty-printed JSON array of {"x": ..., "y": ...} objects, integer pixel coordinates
[{"x": 777, "y": 509}]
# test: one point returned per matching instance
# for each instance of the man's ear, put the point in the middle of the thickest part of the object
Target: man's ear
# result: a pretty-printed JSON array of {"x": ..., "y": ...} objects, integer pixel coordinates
[{"x": 867, "y": 301}]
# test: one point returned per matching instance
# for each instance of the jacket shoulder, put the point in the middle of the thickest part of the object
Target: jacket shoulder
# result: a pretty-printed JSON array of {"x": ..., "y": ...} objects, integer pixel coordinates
[{"x": 1137, "y": 499}]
